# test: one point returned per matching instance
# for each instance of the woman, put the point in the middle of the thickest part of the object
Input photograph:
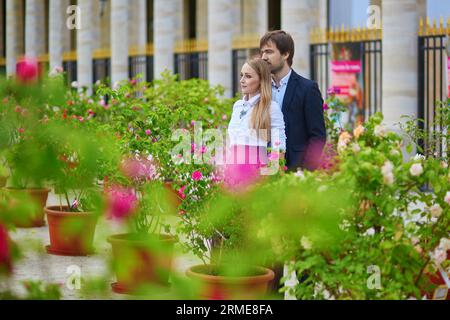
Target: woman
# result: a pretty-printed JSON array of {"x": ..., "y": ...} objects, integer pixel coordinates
[{"x": 256, "y": 124}]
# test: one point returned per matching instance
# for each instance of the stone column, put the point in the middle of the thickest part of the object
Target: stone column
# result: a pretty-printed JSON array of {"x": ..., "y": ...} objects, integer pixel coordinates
[
  {"x": 138, "y": 23},
  {"x": 220, "y": 34},
  {"x": 14, "y": 32},
  {"x": 34, "y": 28},
  {"x": 85, "y": 44},
  {"x": 298, "y": 17},
  {"x": 57, "y": 31},
  {"x": 119, "y": 40},
  {"x": 323, "y": 14},
  {"x": 2, "y": 17},
  {"x": 256, "y": 16},
  {"x": 202, "y": 19},
  {"x": 166, "y": 31},
  {"x": 399, "y": 59},
  {"x": 138, "y": 32},
  {"x": 422, "y": 9}
]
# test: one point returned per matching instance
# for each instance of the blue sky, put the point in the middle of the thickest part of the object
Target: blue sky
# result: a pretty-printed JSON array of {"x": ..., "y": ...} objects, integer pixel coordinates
[{"x": 353, "y": 12}]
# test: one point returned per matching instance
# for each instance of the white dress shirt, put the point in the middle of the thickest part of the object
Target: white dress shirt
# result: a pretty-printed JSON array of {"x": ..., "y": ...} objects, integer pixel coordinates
[
  {"x": 239, "y": 128},
  {"x": 278, "y": 93}
]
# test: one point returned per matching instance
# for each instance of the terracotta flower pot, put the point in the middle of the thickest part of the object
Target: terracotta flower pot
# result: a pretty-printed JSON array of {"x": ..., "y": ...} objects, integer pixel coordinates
[
  {"x": 215, "y": 287},
  {"x": 141, "y": 260},
  {"x": 172, "y": 195},
  {"x": 33, "y": 219},
  {"x": 71, "y": 233},
  {"x": 3, "y": 180}
]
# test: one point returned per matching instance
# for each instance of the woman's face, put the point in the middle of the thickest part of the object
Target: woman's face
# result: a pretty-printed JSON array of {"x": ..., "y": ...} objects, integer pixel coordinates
[{"x": 250, "y": 82}]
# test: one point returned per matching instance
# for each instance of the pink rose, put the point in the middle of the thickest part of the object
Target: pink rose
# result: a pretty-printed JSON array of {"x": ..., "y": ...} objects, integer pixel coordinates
[
  {"x": 27, "y": 70},
  {"x": 121, "y": 202},
  {"x": 197, "y": 175},
  {"x": 148, "y": 132},
  {"x": 181, "y": 192}
]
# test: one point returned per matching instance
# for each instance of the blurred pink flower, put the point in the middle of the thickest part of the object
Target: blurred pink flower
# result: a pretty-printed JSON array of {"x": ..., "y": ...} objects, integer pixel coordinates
[
  {"x": 148, "y": 132},
  {"x": 27, "y": 70},
  {"x": 197, "y": 175},
  {"x": 136, "y": 168},
  {"x": 325, "y": 106},
  {"x": 121, "y": 202},
  {"x": 193, "y": 147},
  {"x": 181, "y": 192},
  {"x": 5, "y": 251}
]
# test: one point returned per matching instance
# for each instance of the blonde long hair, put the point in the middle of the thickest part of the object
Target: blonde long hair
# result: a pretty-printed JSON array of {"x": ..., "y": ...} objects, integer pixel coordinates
[{"x": 260, "y": 119}]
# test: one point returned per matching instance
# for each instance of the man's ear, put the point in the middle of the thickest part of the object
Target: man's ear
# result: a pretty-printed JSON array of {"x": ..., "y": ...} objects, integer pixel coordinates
[{"x": 285, "y": 56}]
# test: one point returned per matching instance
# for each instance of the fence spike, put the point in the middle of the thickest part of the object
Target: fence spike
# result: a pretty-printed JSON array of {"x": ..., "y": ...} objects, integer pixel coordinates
[
  {"x": 421, "y": 26},
  {"x": 427, "y": 27},
  {"x": 448, "y": 26},
  {"x": 441, "y": 25},
  {"x": 434, "y": 30}
]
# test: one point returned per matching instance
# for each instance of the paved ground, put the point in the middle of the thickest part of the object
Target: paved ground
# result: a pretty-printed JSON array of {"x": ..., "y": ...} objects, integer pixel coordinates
[{"x": 36, "y": 264}]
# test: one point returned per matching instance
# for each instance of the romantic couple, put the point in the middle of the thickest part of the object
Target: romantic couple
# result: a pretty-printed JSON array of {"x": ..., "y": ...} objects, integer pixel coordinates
[{"x": 283, "y": 107}]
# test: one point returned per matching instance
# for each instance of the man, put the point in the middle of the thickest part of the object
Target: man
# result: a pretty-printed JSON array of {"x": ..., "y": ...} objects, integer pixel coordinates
[
  {"x": 301, "y": 102},
  {"x": 302, "y": 107}
]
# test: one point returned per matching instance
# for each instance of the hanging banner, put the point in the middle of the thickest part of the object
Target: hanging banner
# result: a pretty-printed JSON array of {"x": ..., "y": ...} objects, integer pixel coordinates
[{"x": 346, "y": 79}]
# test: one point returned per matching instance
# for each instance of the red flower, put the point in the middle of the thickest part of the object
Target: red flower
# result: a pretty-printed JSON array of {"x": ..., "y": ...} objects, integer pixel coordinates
[
  {"x": 27, "y": 70},
  {"x": 5, "y": 251}
]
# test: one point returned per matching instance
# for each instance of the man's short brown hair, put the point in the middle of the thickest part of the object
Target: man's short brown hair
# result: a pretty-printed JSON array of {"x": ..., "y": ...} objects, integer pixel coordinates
[{"x": 282, "y": 40}]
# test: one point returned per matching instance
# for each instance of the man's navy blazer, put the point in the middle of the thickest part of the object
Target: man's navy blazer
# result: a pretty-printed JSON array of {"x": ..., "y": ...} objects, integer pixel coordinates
[{"x": 305, "y": 126}]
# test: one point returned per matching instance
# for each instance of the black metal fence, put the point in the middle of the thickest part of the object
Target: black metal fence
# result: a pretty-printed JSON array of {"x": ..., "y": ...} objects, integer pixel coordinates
[
  {"x": 70, "y": 69},
  {"x": 141, "y": 65},
  {"x": 371, "y": 68},
  {"x": 432, "y": 88},
  {"x": 101, "y": 70},
  {"x": 191, "y": 65}
]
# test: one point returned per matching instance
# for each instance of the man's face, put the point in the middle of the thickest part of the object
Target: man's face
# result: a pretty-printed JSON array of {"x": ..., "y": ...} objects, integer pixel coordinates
[{"x": 271, "y": 54}]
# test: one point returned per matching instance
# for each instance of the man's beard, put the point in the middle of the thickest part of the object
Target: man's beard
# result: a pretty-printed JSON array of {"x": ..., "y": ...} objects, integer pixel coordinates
[{"x": 277, "y": 68}]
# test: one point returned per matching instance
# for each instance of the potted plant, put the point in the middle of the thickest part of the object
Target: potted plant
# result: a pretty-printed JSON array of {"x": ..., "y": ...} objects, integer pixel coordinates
[
  {"x": 81, "y": 163},
  {"x": 25, "y": 151},
  {"x": 142, "y": 257},
  {"x": 213, "y": 227}
]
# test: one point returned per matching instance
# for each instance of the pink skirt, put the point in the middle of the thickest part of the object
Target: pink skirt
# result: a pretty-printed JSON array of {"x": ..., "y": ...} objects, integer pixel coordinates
[{"x": 242, "y": 166}]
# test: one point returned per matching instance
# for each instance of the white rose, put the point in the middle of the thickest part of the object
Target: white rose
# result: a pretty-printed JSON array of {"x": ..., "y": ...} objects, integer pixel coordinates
[
  {"x": 387, "y": 167},
  {"x": 436, "y": 211},
  {"x": 439, "y": 256},
  {"x": 380, "y": 131},
  {"x": 388, "y": 175},
  {"x": 74, "y": 84},
  {"x": 444, "y": 244},
  {"x": 388, "y": 179},
  {"x": 299, "y": 174},
  {"x": 447, "y": 197},
  {"x": 419, "y": 157},
  {"x": 416, "y": 169},
  {"x": 356, "y": 148},
  {"x": 306, "y": 243}
]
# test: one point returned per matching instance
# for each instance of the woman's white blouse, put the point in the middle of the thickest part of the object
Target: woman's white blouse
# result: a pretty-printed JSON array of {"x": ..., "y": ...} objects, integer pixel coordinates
[{"x": 240, "y": 133}]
